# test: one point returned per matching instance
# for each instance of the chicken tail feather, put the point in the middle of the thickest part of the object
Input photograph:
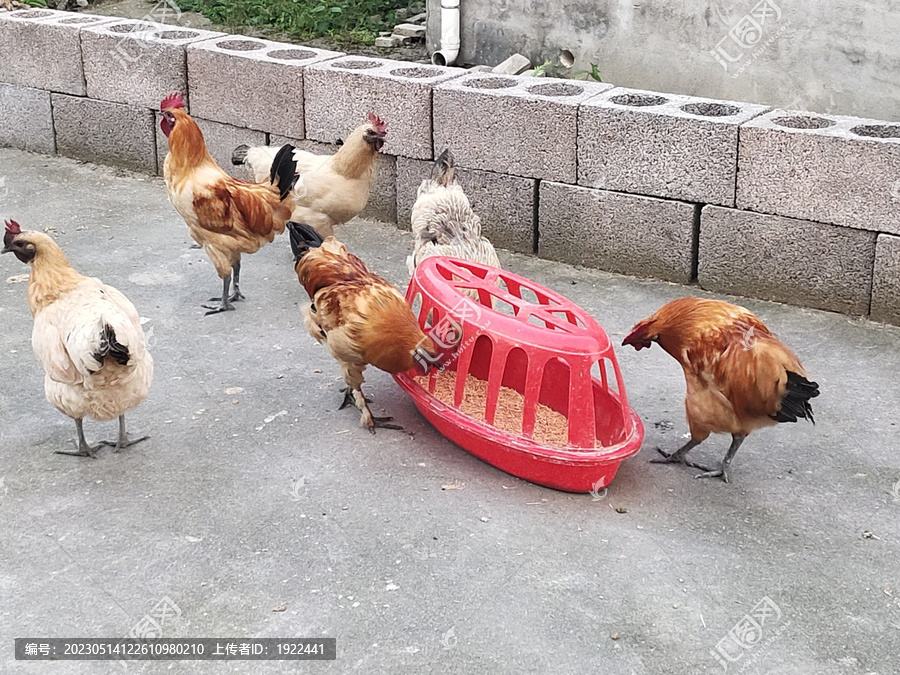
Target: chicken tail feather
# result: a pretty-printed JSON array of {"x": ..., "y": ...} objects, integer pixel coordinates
[
  {"x": 442, "y": 173},
  {"x": 303, "y": 237},
  {"x": 795, "y": 404},
  {"x": 110, "y": 346},
  {"x": 284, "y": 170}
]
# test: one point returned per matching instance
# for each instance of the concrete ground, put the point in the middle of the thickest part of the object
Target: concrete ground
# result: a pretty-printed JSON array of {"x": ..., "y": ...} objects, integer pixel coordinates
[{"x": 261, "y": 510}]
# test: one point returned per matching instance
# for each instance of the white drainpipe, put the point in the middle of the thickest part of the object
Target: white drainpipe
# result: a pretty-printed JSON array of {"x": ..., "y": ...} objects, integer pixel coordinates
[{"x": 449, "y": 50}]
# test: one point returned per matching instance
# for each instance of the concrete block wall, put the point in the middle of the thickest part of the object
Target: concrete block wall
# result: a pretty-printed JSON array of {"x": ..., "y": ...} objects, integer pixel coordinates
[
  {"x": 252, "y": 83},
  {"x": 338, "y": 95},
  {"x": 512, "y": 124},
  {"x": 678, "y": 147},
  {"x": 136, "y": 62},
  {"x": 785, "y": 205}
]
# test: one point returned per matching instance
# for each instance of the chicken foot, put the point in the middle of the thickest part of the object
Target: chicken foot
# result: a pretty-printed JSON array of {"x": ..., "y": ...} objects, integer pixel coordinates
[
  {"x": 678, "y": 456},
  {"x": 123, "y": 441},
  {"x": 225, "y": 301},
  {"x": 722, "y": 471},
  {"x": 84, "y": 450},
  {"x": 354, "y": 396}
]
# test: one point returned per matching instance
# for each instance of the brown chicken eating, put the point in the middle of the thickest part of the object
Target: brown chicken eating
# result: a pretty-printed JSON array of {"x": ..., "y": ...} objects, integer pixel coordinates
[
  {"x": 330, "y": 189},
  {"x": 739, "y": 376},
  {"x": 360, "y": 317},
  {"x": 226, "y": 216}
]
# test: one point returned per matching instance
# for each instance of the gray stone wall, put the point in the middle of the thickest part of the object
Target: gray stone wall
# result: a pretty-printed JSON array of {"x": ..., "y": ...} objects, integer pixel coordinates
[
  {"x": 739, "y": 198},
  {"x": 829, "y": 57}
]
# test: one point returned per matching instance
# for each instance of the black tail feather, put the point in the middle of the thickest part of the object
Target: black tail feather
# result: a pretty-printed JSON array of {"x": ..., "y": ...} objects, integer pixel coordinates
[
  {"x": 303, "y": 237},
  {"x": 795, "y": 404},
  {"x": 284, "y": 170},
  {"x": 442, "y": 171},
  {"x": 110, "y": 346}
]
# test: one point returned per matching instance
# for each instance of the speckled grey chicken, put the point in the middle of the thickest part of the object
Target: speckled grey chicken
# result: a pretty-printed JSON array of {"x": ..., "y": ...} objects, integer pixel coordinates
[{"x": 443, "y": 222}]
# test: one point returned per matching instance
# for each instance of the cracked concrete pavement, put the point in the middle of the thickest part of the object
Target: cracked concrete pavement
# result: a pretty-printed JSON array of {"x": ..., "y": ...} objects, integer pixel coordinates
[{"x": 261, "y": 510}]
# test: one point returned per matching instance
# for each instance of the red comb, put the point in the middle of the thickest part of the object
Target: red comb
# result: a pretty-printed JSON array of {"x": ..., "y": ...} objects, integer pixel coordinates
[
  {"x": 379, "y": 124},
  {"x": 171, "y": 101},
  {"x": 13, "y": 227}
]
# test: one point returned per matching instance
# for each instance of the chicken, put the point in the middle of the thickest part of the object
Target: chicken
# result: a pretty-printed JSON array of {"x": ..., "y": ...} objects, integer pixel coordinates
[
  {"x": 443, "y": 222},
  {"x": 360, "y": 317},
  {"x": 330, "y": 189},
  {"x": 86, "y": 335},
  {"x": 226, "y": 216},
  {"x": 739, "y": 376}
]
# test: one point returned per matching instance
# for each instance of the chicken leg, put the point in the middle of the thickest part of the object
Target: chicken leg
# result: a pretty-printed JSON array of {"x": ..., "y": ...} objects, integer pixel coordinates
[
  {"x": 722, "y": 471},
  {"x": 678, "y": 456},
  {"x": 354, "y": 396},
  {"x": 123, "y": 441},
  {"x": 84, "y": 450},
  {"x": 226, "y": 299}
]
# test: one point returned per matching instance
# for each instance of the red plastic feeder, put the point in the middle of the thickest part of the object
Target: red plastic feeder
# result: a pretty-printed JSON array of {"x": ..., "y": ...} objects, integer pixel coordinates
[{"x": 527, "y": 338}]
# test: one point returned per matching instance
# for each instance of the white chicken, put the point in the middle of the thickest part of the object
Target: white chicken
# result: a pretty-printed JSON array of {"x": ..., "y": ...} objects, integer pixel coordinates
[
  {"x": 330, "y": 189},
  {"x": 443, "y": 222},
  {"x": 86, "y": 335}
]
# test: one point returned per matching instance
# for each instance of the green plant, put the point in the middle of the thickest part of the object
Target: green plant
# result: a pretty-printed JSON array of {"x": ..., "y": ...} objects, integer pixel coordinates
[
  {"x": 544, "y": 69},
  {"x": 341, "y": 20},
  {"x": 593, "y": 73},
  {"x": 35, "y": 3}
]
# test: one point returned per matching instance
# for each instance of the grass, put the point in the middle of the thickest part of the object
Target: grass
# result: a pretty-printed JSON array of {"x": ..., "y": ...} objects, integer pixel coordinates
[{"x": 341, "y": 20}]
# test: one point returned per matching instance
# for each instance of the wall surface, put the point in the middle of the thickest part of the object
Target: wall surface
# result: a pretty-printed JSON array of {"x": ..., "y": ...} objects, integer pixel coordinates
[
  {"x": 739, "y": 198},
  {"x": 826, "y": 56}
]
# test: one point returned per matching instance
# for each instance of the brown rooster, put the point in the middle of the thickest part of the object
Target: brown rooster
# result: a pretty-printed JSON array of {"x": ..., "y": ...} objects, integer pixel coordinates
[
  {"x": 739, "y": 376},
  {"x": 361, "y": 318},
  {"x": 330, "y": 189},
  {"x": 86, "y": 335},
  {"x": 226, "y": 216}
]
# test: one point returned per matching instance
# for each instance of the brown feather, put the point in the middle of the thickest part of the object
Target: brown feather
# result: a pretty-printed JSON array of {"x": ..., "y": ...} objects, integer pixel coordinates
[
  {"x": 735, "y": 368},
  {"x": 349, "y": 300}
]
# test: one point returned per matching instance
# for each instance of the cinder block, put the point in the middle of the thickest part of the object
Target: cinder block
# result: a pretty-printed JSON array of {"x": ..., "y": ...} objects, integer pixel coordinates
[
  {"x": 628, "y": 234},
  {"x": 221, "y": 139},
  {"x": 137, "y": 62},
  {"x": 382, "y": 204},
  {"x": 784, "y": 259},
  {"x": 826, "y": 168},
  {"x": 410, "y": 174},
  {"x": 665, "y": 145},
  {"x": 338, "y": 94},
  {"x": 41, "y": 48},
  {"x": 26, "y": 119},
  {"x": 104, "y": 132},
  {"x": 512, "y": 124},
  {"x": 505, "y": 204},
  {"x": 886, "y": 280},
  {"x": 252, "y": 83}
]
